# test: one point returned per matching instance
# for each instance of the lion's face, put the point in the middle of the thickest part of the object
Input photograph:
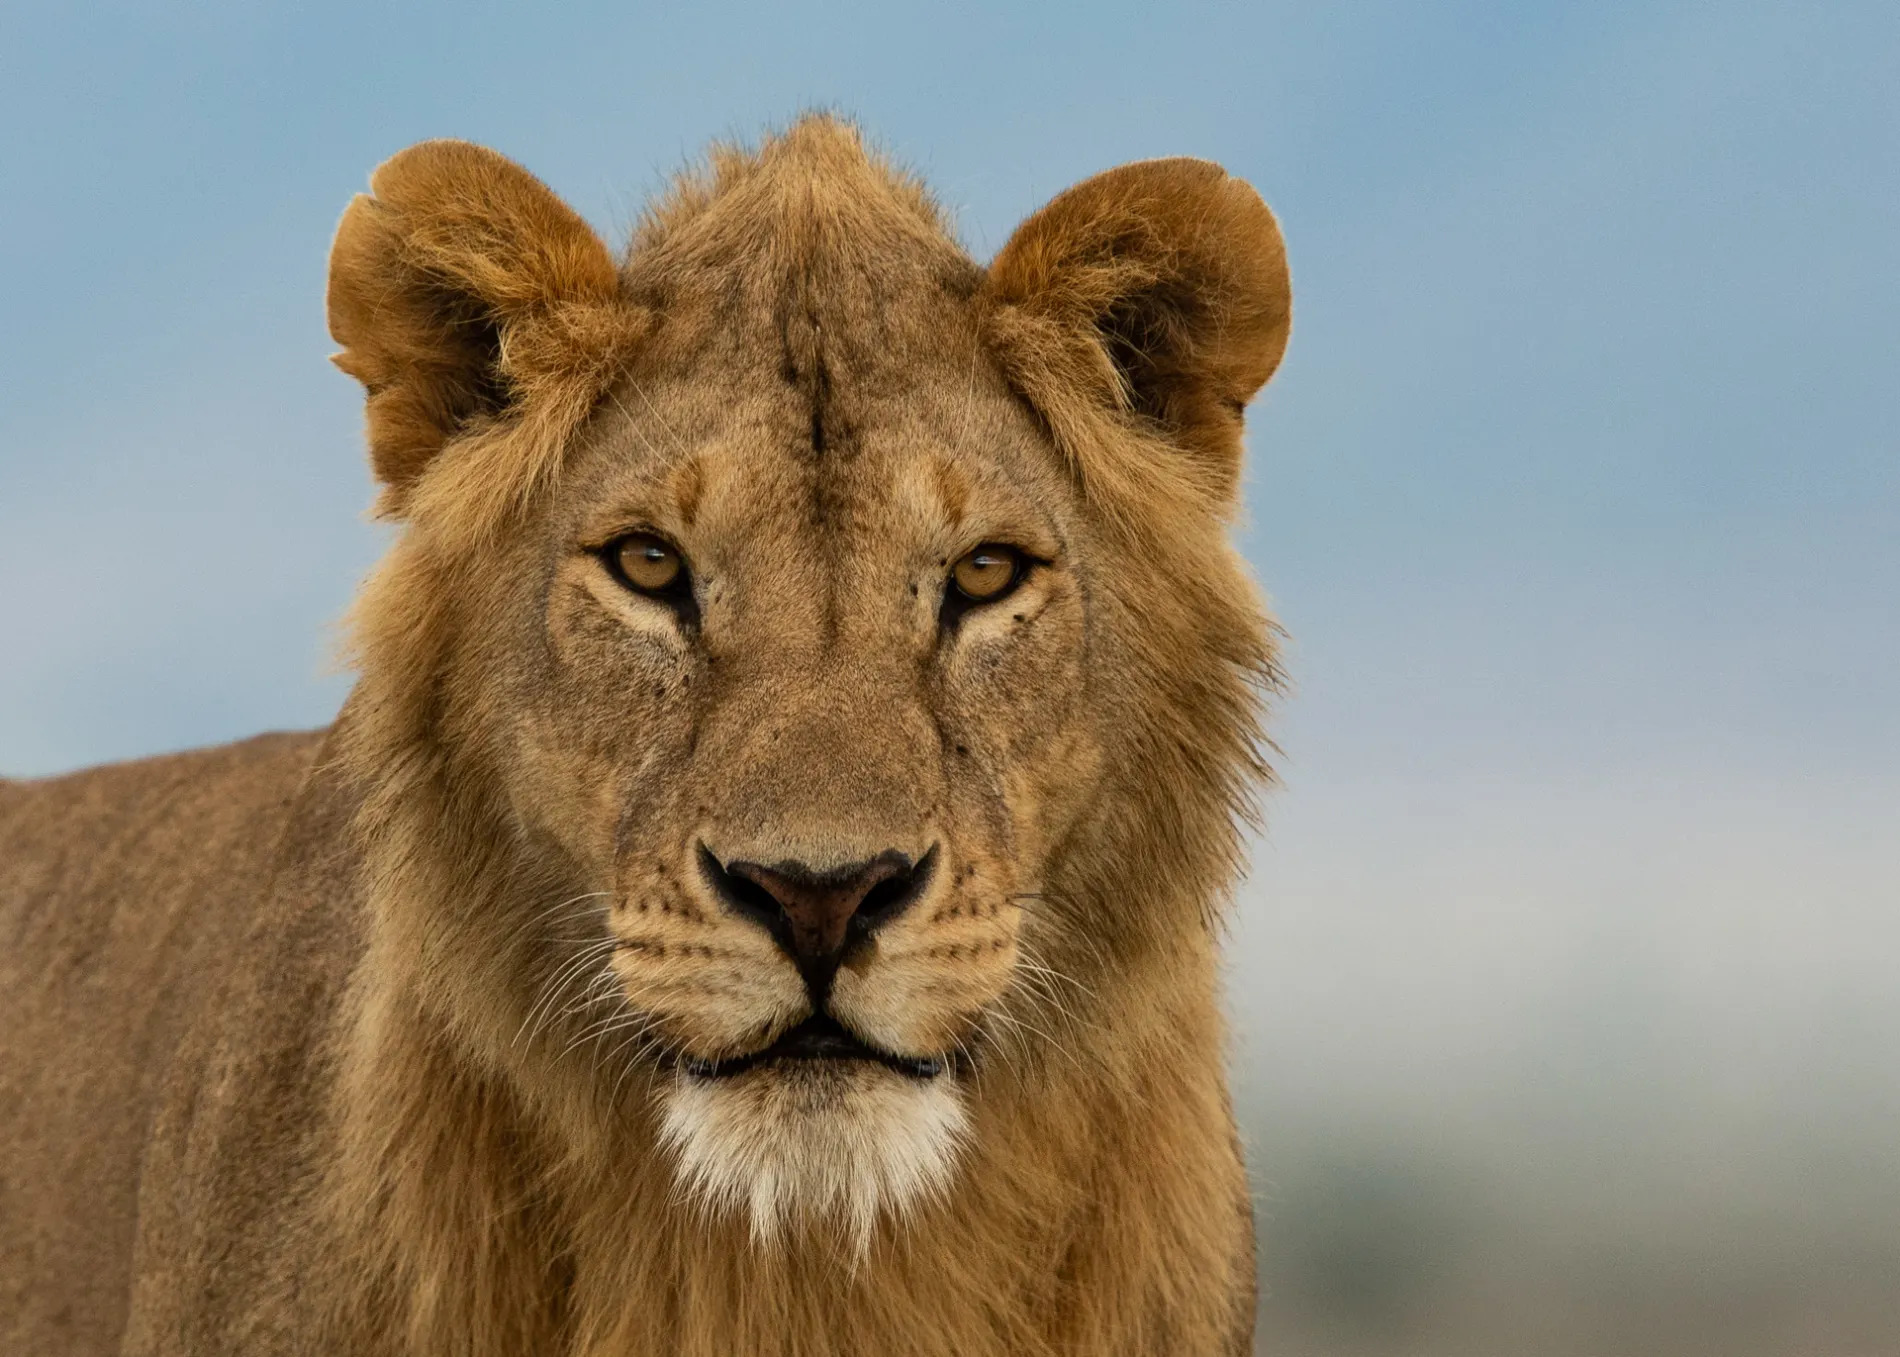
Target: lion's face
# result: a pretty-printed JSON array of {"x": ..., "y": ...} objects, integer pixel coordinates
[
  {"x": 818, "y": 592},
  {"x": 805, "y": 700}
]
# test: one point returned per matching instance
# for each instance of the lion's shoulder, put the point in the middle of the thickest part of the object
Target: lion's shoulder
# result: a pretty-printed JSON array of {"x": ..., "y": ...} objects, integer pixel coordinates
[
  {"x": 114, "y": 849},
  {"x": 127, "y": 893}
]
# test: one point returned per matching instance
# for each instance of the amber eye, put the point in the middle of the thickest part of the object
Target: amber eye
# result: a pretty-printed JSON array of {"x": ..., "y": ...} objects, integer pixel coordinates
[
  {"x": 647, "y": 563},
  {"x": 987, "y": 573}
]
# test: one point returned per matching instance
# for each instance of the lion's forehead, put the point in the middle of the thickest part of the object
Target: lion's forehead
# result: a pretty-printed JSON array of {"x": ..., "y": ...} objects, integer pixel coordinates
[{"x": 763, "y": 474}]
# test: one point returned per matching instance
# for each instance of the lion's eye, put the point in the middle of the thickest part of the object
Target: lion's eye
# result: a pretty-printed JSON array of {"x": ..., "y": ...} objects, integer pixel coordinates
[
  {"x": 646, "y": 563},
  {"x": 986, "y": 574}
]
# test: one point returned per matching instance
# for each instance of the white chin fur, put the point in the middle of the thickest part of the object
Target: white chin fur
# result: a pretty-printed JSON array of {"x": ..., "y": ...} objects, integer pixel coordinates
[{"x": 805, "y": 1139}]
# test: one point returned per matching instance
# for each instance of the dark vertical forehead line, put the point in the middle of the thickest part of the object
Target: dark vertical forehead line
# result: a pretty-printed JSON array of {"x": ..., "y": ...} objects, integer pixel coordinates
[{"x": 825, "y": 264}]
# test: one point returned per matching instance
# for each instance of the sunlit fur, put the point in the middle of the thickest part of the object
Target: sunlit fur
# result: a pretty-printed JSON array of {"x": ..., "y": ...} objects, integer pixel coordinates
[{"x": 489, "y": 1138}]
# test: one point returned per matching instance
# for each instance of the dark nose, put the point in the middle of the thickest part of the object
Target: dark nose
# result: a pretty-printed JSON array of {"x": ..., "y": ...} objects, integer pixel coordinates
[{"x": 818, "y": 917}]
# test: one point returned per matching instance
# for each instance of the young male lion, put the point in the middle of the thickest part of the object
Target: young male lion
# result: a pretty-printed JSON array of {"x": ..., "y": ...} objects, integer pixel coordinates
[{"x": 761, "y": 895}]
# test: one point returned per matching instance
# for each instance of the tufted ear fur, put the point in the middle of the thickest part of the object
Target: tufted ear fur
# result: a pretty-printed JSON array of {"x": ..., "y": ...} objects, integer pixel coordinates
[
  {"x": 465, "y": 293},
  {"x": 1158, "y": 290}
]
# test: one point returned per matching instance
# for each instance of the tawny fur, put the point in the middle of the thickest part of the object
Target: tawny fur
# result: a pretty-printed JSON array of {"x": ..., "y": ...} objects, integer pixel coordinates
[{"x": 360, "y": 1042}]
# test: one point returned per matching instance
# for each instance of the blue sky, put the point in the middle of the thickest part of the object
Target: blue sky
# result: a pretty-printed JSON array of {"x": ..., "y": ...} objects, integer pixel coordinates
[{"x": 1579, "y": 491}]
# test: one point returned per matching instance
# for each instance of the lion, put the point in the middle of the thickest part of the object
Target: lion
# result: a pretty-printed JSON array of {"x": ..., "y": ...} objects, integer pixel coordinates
[{"x": 763, "y": 892}]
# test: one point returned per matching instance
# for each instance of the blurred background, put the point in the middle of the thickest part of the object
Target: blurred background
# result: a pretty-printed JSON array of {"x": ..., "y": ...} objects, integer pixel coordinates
[{"x": 1564, "y": 983}]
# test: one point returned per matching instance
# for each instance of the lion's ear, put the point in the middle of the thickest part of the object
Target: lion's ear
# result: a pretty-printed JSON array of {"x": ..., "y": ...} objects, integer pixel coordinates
[
  {"x": 462, "y": 289},
  {"x": 1158, "y": 289}
]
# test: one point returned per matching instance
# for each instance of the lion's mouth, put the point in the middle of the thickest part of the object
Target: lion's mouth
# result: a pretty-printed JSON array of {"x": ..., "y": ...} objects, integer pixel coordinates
[{"x": 819, "y": 1037}]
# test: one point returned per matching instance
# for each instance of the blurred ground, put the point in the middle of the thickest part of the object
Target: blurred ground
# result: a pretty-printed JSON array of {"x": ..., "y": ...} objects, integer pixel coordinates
[{"x": 1597, "y": 1069}]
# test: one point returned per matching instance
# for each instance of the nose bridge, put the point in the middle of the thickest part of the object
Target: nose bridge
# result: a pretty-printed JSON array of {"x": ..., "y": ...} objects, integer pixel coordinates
[
  {"x": 848, "y": 762},
  {"x": 829, "y": 759}
]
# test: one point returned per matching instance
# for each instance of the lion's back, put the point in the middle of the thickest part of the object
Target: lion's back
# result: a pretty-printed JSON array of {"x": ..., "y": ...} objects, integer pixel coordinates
[{"x": 124, "y": 892}]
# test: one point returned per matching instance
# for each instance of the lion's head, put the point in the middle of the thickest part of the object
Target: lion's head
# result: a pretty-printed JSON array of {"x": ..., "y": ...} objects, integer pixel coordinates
[{"x": 812, "y": 679}]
